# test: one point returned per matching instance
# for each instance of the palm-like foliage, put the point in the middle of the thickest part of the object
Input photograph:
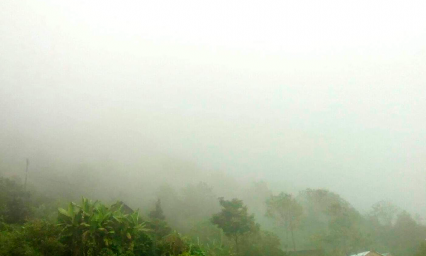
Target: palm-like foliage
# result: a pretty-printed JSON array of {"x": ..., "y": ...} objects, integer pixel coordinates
[{"x": 91, "y": 227}]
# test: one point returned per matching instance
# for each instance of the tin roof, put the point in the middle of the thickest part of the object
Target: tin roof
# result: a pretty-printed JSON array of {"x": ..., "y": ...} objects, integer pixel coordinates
[
  {"x": 366, "y": 253},
  {"x": 361, "y": 254}
]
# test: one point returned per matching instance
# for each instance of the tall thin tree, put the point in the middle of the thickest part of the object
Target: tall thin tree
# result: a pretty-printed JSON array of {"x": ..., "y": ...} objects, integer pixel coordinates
[
  {"x": 26, "y": 175},
  {"x": 286, "y": 211}
]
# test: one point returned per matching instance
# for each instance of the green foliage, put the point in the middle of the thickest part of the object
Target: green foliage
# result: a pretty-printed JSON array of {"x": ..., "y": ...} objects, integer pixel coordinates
[
  {"x": 14, "y": 206},
  {"x": 211, "y": 239},
  {"x": 158, "y": 224},
  {"x": 344, "y": 235},
  {"x": 421, "y": 251},
  {"x": 332, "y": 224},
  {"x": 406, "y": 235},
  {"x": 234, "y": 220},
  {"x": 384, "y": 213},
  {"x": 326, "y": 222},
  {"x": 262, "y": 243},
  {"x": 92, "y": 228},
  {"x": 157, "y": 213},
  {"x": 286, "y": 211},
  {"x": 172, "y": 244},
  {"x": 33, "y": 238},
  {"x": 175, "y": 244}
]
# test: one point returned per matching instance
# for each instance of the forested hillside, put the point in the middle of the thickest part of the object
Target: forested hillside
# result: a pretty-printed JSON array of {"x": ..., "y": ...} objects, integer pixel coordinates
[{"x": 196, "y": 221}]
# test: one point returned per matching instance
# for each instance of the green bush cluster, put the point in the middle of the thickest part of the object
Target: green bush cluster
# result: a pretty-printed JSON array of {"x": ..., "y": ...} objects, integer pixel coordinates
[
  {"x": 86, "y": 229},
  {"x": 35, "y": 238},
  {"x": 32, "y": 225},
  {"x": 14, "y": 202},
  {"x": 93, "y": 229}
]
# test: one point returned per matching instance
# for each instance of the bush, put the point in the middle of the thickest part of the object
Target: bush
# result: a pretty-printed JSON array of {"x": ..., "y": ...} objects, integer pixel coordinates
[
  {"x": 14, "y": 202},
  {"x": 93, "y": 229},
  {"x": 37, "y": 238},
  {"x": 176, "y": 244}
]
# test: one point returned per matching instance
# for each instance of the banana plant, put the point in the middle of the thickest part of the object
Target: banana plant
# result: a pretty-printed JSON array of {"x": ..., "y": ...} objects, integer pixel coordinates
[
  {"x": 73, "y": 227},
  {"x": 70, "y": 219},
  {"x": 93, "y": 226}
]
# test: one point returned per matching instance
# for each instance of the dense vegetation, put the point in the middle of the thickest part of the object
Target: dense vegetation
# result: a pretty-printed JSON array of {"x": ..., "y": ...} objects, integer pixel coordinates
[{"x": 195, "y": 222}]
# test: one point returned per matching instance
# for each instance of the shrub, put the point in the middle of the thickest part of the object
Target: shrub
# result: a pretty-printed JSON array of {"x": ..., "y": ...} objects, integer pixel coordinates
[
  {"x": 93, "y": 229},
  {"x": 36, "y": 238},
  {"x": 14, "y": 202}
]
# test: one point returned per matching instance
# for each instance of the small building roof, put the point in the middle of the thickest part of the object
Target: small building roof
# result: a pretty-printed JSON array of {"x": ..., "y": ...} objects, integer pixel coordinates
[
  {"x": 361, "y": 254},
  {"x": 368, "y": 253}
]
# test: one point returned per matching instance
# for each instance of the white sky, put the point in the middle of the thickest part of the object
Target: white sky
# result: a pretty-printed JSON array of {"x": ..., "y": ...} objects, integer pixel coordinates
[{"x": 315, "y": 93}]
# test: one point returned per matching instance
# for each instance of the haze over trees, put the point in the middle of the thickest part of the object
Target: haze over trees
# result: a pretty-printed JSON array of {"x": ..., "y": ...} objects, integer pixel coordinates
[
  {"x": 213, "y": 128},
  {"x": 287, "y": 212},
  {"x": 315, "y": 219},
  {"x": 235, "y": 221}
]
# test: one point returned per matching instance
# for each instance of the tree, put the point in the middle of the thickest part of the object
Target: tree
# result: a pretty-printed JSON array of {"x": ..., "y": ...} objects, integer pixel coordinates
[
  {"x": 263, "y": 243},
  {"x": 317, "y": 202},
  {"x": 14, "y": 202},
  {"x": 286, "y": 211},
  {"x": 345, "y": 235},
  {"x": 421, "y": 251},
  {"x": 158, "y": 223},
  {"x": 384, "y": 212},
  {"x": 157, "y": 213},
  {"x": 407, "y": 235},
  {"x": 234, "y": 220}
]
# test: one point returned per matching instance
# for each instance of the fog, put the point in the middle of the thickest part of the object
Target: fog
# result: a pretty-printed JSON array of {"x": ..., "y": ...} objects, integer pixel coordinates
[{"x": 137, "y": 94}]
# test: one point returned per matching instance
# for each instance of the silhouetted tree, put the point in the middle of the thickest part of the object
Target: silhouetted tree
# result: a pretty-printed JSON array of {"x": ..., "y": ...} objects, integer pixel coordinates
[
  {"x": 158, "y": 222},
  {"x": 286, "y": 211},
  {"x": 157, "y": 213},
  {"x": 422, "y": 249},
  {"x": 234, "y": 220}
]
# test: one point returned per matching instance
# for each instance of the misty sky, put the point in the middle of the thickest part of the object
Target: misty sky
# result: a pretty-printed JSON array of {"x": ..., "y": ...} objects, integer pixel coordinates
[{"x": 328, "y": 94}]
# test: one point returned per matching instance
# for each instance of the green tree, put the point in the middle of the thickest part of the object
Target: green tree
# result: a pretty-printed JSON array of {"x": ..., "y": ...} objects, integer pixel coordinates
[
  {"x": 421, "y": 251},
  {"x": 384, "y": 212},
  {"x": 35, "y": 238},
  {"x": 262, "y": 243},
  {"x": 158, "y": 224},
  {"x": 407, "y": 235},
  {"x": 234, "y": 220},
  {"x": 286, "y": 211},
  {"x": 14, "y": 202},
  {"x": 157, "y": 213},
  {"x": 344, "y": 235},
  {"x": 176, "y": 244}
]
